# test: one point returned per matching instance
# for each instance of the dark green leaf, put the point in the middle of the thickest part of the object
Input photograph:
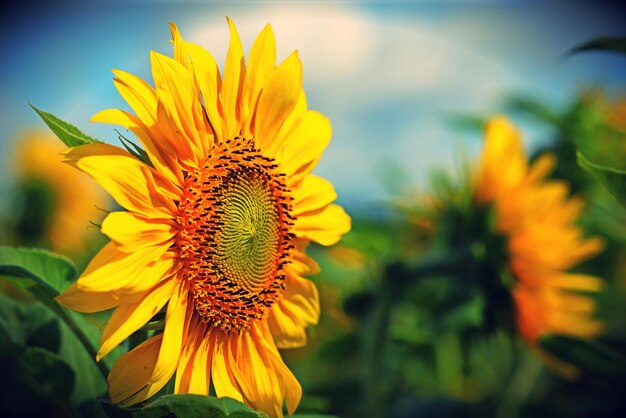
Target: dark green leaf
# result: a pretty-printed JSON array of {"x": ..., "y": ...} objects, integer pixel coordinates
[
  {"x": 46, "y": 336},
  {"x": 48, "y": 371},
  {"x": 134, "y": 149},
  {"x": 613, "y": 179},
  {"x": 44, "y": 275},
  {"x": 590, "y": 356},
  {"x": 185, "y": 406},
  {"x": 69, "y": 134},
  {"x": 602, "y": 44}
]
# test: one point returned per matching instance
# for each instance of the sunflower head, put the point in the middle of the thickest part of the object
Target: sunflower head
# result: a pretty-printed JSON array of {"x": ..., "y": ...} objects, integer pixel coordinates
[
  {"x": 520, "y": 229},
  {"x": 216, "y": 222}
]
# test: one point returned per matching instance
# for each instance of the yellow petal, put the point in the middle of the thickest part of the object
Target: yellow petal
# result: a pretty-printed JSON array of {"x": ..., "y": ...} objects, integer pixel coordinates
[
  {"x": 314, "y": 193},
  {"x": 302, "y": 264},
  {"x": 261, "y": 65},
  {"x": 139, "y": 95},
  {"x": 128, "y": 318},
  {"x": 83, "y": 301},
  {"x": 186, "y": 364},
  {"x": 264, "y": 388},
  {"x": 123, "y": 176},
  {"x": 278, "y": 99},
  {"x": 270, "y": 382},
  {"x": 325, "y": 226},
  {"x": 234, "y": 73},
  {"x": 223, "y": 379},
  {"x": 131, "y": 232},
  {"x": 115, "y": 270},
  {"x": 130, "y": 373},
  {"x": 181, "y": 117},
  {"x": 200, "y": 375},
  {"x": 304, "y": 145},
  {"x": 298, "y": 309},
  {"x": 175, "y": 321},
  {"x": 503, "y": 161},
  {"x": 159, "y": 156},
  {"x": 207, "y": 78}
]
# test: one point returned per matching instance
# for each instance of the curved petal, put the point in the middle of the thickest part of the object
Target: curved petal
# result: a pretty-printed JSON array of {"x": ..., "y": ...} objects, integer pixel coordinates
[
  {"x": 131, "y": 232},
  {"x": 223, "y": 378},
  {"x": 127, "y": 179},
  {"x": 129, "y": 317},
  {"x": 160, "y": 157},
  {"x": 278, "y": 99},
  {"x": 179, "y": 109},
  {"x": 313, "y": 193},
  {"x": 298, "y": 309},
  {"x": 234, "y": 74},
  {"x": 206, "y": 75},
  {"x": 132, "y": 370},
  {"x": 324, "y": 226},
  {"x": 270, "y": 382},
  {"x": 119, "y": 271},
  {"x": 304, "y": 145},
  {"x": 88, "y": 302},
  {"x": 261, "y": 66},
  {"x": 176, "y": 319}
]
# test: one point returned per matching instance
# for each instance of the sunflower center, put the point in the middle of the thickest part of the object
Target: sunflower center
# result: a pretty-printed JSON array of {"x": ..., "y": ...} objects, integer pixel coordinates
[{"x": 233, "y": 239}]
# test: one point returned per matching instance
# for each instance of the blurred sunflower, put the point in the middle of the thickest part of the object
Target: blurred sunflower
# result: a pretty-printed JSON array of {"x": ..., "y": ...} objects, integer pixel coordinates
[
  {"x": 520, "y": 229},
  {"x": 57, "y": 203},
  {"x": 537, "y": 216},
  {"x": 215, "y": 226}
]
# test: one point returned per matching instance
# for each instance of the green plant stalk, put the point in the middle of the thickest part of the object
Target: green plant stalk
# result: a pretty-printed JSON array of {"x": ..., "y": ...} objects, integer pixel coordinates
[
  {"x": 73, "y": 326},
  {"x": 394, "y": 275},
  {"x": 374, "y": 350}
]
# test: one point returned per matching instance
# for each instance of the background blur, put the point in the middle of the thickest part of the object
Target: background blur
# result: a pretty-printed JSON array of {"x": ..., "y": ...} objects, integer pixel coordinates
[{"x": 407, "y": 86}]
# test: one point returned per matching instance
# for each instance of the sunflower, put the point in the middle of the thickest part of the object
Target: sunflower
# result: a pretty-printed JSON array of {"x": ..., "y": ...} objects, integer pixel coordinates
[
  {"x": 537, "y": 218},
  {"x": 58, "y": 201},
  {"x": 215, "y": 227}
]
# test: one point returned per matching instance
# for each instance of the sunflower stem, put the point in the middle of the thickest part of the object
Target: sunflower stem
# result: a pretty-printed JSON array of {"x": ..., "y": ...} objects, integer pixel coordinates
[
  {"x": 395, "y": 277},
  {"x": 93, "y": 352},
  {"x": 374, "y": 350}
]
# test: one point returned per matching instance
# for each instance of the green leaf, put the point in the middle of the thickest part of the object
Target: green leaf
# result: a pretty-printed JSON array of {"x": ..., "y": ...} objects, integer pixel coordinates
[
  {"x": 69, "y": 134},
  {"x": 40, "y": 272},
  {"x": 601, "y": 44},
  {"x": 185, "y": 406},
  {"x": 44, "y": 275},
  {"x": 590, "y": 356},
  {"x": 48, "y": 371},
  {"x": 613, "y": 179}
]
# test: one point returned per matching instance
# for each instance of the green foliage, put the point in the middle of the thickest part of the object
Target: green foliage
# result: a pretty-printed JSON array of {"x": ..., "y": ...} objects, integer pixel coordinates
[
  {"x": 69, "y": 134},
  {"x": 43, "y": 275},
  {"x": 184, "y": 406},
  {"x": 606, "y": 44},
  {"x": 39, "y": 272},
  {"x": 591, "y": 356},
  {"x": 613, "y": 179}
]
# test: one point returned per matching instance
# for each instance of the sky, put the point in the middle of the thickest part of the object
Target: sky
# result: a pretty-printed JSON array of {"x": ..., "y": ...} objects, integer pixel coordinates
[{"x": 387, "y": 74}]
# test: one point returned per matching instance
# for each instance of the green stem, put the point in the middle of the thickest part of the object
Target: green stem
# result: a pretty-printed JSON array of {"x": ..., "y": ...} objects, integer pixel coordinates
[
  {"x": 374, "y": 349},
  {"x": 396, "y": 276},
  {"x": 93, "y": 353}
]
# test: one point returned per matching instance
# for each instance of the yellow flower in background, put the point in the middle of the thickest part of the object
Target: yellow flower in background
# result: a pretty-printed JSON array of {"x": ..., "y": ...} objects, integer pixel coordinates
[
  {"x": 215, "y": 226},
  {"x": 69, "y": 198},
  {"x": 538, "y": 219}
]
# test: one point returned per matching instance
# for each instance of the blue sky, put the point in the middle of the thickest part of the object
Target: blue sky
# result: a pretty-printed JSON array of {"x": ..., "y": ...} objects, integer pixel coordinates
[{"x": 386, "y": 73}]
